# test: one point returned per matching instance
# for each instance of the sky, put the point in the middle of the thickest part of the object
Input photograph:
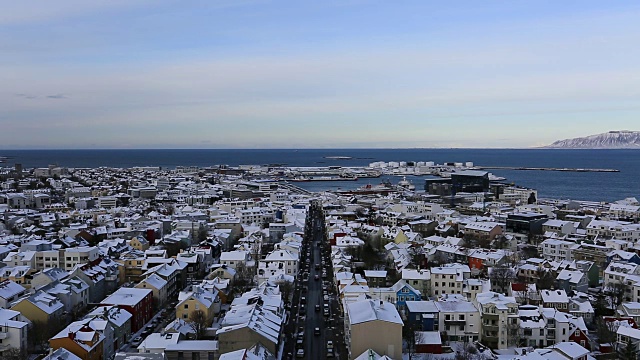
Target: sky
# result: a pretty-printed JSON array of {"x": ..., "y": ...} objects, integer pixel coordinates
[{"x": 77, "y": 74}]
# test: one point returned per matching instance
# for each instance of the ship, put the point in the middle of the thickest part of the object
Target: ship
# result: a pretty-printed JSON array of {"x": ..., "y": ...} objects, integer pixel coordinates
[
  {"x": 323, "y": 178},
  {"x": 383, "y": 189},
  {"x": 405, "y": 184}
]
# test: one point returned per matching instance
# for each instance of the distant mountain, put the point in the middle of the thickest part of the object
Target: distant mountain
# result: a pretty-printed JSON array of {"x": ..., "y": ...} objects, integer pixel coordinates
[{"x": 611, "y": 140}]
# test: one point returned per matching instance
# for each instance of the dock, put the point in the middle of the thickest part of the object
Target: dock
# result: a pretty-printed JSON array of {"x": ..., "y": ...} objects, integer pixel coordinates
[{"x": 546, "y": 169}]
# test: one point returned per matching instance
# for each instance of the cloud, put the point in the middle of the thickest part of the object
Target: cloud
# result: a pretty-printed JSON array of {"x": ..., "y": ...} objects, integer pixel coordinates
[
  {"x": 26, "y": 96},
  {"x": 57, "y": 96}
]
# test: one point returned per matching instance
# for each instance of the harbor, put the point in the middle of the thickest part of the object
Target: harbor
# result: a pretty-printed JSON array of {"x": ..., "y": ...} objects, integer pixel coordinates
[
  {"x": 546, "y": 169},
  {"x": 392, "y": 168}
]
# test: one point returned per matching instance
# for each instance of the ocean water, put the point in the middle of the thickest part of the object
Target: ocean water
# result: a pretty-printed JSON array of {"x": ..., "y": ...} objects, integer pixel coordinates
[{"x": 564, "y": 185}]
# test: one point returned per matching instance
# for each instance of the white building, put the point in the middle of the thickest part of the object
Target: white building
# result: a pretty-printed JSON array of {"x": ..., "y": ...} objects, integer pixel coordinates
[
  {"x": 500, "y": 324},
  {"x": 556, "y": 250},
  {"x": 278, "y": 262},
  {"x": 449, "y": 279},
  {"x": 460, "y": 319},
  {"x": 13, "y": 330}
]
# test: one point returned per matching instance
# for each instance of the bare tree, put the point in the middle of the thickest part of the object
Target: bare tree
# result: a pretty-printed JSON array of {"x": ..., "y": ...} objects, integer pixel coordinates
[
  {"x": 198, "y": 320},
  {"x": 606, "y": 330},
  {"x": 545, "y": 279},
  {"x": 467, "y": 352},
  {"x": 501, "y": 277},
  {"x": 615, "y": 292},
  {"x": 202, "y": 233},
  {"x": 513, "y": 334},
  {"x": 410, "y": 337},
  {"x": 286, "y": 289},
  {"x": 15, "y": 354},
  {"x": 41, "y": 331}
]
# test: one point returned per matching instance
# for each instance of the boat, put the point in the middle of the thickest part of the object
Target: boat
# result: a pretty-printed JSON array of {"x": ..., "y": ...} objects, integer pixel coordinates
[
  {"x": 323, "y": 178},
  {"x": 496, "y": 178},
  {"x": 405, "y": 184},
  {"x": 383, "y": 189},
  {"x": 338, "y": 157}
]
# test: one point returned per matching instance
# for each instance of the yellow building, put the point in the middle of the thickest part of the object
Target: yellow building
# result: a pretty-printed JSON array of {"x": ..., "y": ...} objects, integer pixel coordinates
[
  {"x": 139, "y": 244},
  {"x": 81, "y": 340},
  {"x": 373, "y": 324},
  {"x": 198, "y": 299},
  {"x": 40, "y": 307}
]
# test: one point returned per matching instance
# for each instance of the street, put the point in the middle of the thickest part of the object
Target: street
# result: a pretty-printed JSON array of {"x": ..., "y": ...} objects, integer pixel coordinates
[{"x": 310, "y": 293}]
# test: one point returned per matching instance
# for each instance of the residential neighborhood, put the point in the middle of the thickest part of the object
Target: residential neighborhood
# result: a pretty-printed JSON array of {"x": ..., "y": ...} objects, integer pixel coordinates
[{"x": 216, "y": 263}]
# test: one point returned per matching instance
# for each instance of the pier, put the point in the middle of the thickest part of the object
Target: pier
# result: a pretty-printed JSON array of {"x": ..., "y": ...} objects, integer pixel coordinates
[{"x": 546, "y": 169}]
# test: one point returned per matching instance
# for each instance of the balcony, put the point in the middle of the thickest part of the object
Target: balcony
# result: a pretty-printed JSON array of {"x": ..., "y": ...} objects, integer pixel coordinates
[
  {"x": 490, "y": 328},
  {"x": 455, "y": 322}
]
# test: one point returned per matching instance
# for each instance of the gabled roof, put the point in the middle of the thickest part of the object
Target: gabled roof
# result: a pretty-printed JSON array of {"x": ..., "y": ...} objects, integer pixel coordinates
[{"x": 372, "y": 310}]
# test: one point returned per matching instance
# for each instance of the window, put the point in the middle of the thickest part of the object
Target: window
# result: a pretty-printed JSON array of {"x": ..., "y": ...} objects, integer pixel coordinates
[
  {"x": 186, "y": 306},
  {"x": 460, "y": 317}
]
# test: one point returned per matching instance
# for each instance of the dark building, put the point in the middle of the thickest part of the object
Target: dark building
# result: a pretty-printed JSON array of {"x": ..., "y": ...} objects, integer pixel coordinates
[
  {"x": 439, "y": 187},
  {"x": 526, "y": 223},
  {"x": 470, "y": 181}
]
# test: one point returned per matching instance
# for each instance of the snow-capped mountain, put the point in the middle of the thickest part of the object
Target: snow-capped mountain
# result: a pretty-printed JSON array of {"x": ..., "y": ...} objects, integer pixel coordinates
[{"x": 611, "y": 140}]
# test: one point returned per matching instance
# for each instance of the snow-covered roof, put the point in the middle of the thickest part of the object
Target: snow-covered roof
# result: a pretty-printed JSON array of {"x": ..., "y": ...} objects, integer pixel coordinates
[
  {"x": 126, "y": 296},
  {"x": 372, "y": 310},
  {"x": 9, "y": 289}
]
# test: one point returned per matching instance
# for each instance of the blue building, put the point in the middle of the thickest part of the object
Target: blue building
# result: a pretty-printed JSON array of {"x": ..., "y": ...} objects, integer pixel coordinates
[{"x": 422, "y": 315}]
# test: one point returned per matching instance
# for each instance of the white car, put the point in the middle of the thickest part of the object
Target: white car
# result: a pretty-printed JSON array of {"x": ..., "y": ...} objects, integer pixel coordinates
[{"x": 300, "y": 353}]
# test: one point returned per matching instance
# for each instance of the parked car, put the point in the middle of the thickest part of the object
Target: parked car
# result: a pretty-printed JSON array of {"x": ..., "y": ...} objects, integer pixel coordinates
[
  {"x": 136, "y": 341},
  {"x": 300, "y": 353}
]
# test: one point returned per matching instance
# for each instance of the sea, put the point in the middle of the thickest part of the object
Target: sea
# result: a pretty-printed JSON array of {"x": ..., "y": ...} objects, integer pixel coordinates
[{"x": 589, "y": 186}]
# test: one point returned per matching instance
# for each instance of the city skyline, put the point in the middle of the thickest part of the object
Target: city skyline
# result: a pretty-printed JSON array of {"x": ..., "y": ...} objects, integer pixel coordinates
[{"x": 355, "y": 74}]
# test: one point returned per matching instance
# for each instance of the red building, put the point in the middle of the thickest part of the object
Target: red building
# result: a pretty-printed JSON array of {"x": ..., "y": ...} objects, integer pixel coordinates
[
  {"x": 476, "y": 263},
  {"x": 139, "y": 302},
  {"x": 428, "y": 342}
]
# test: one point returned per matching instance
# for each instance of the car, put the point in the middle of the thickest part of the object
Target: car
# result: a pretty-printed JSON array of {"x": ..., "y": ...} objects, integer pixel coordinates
[
  {"x": 316, "y": 277},
  {"x": 316, "y": 331},
  {"x": 303, "y": 300},
  {"x": 330, "y": 353},
  {"x": 317, "y": 307},
  {"x": 329, "y": 345},
  {"x": 300, "y": 353},
  {"x": 317, "y": 266},
  {"x": 136, "y": 341}
]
